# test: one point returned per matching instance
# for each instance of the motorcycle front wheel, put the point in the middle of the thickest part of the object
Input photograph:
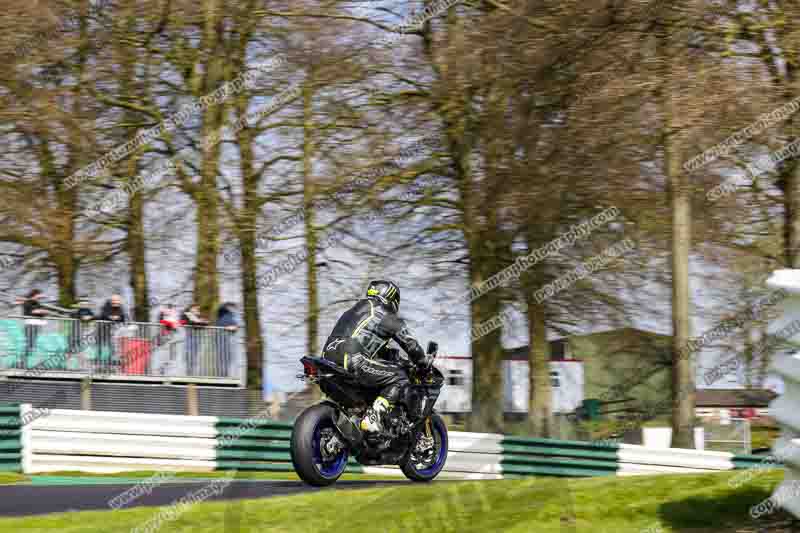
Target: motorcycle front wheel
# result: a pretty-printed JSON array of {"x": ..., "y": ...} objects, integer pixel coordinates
[
  {"x": 312, "y": 430},
  {"x": 424, "y": 471}
]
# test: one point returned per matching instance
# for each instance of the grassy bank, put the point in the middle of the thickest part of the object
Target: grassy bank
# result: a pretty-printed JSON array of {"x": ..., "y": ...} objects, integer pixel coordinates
[{"x": 686, "y": 503}]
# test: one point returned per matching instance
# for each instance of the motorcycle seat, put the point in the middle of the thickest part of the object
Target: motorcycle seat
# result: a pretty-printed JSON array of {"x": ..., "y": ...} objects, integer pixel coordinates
[{"x": 326, "y": 366}]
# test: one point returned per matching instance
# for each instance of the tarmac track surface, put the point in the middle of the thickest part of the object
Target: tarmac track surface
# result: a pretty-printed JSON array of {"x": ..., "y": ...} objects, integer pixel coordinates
[{"x": 29, "y": 500}]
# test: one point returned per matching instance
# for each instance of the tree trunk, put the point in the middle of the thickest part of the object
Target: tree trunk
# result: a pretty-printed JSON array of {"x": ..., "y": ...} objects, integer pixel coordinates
[
  {"x": 63, "y": 254},
  {"x": 252, "y": 315},
  {"x": 682, "y": 374},
  {"x": 683, "y": 386},
  {"x": 66, "y": 269},
  {"x": 312, "y": 322},
  {"x": 487, "y": 365},
  {"x": 682, "y": 369},
  {"x": 791, "y": 201},
  {"x": 136, "y": 246},
  {"x": 749, "y": 366},
  {"x": 487, "y": 350},
  {"x": 135, "y": 242},
  {"x": 540, "y": 393},
  {"x": 206, "y": 278},
  {"x": 249, "y": 266}
]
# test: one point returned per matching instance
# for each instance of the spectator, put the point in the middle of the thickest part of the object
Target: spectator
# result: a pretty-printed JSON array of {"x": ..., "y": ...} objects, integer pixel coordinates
[
  {"x": 169, "y": 320},
  {"x": 168, "y": 317},
  {"x": 83, "y": 312},
  {"x": 82, "y": 315},
  {"x": 32, "y": 309},
  {"x": 192, "y": 319},
  {"x": 31, "y": 306},
  {"x": 112, "y": 312},
  {"x": 226, "y": 319}
]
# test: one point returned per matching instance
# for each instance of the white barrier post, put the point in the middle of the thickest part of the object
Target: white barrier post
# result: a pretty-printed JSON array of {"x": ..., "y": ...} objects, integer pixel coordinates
[
  {"x": 25, "y": 439},
  {"x": 699, "y": 439},
  {"x": 786, "y": 408}
]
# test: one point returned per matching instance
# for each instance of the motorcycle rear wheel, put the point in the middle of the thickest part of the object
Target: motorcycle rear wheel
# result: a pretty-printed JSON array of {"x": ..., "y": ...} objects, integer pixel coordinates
[
  {"x": 426, "y": 473},
  {"x": 306, "y": 447}
]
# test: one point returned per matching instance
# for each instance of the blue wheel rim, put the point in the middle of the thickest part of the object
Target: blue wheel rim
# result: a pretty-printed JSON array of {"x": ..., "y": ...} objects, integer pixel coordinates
[
  {"x": 441, "y": 454},
  {"x": 334, "y": 467}
]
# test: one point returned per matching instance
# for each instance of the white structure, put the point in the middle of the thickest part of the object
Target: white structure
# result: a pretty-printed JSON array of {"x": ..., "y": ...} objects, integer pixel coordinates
[
  {"x": 566, "y": 379},
  {"x": 662, "y": 438},
  {"x": 786, "y": 408}
]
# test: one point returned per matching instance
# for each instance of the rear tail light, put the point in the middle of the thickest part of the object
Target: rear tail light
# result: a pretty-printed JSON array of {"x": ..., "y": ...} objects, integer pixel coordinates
[{"x": 309, "y": 369}]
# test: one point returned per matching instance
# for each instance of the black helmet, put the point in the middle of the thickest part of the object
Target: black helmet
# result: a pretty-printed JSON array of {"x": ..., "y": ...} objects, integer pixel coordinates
[{"x": 386, "y": 291}]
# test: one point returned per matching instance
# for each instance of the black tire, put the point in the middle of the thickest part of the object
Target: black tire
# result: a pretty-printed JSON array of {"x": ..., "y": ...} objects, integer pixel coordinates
[
  {"x": 442, "y": 447},
  {"x": 302, "y": 446}
]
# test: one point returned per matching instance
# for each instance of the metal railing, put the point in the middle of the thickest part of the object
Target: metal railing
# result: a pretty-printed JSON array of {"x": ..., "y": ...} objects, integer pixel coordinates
[
  {"x": 132, "y": 350},
  {"x": 728, "y": 435}
]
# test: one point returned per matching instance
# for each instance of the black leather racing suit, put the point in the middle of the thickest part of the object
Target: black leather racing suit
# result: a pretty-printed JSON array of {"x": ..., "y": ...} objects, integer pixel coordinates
[{"x": 358, "y": 339}]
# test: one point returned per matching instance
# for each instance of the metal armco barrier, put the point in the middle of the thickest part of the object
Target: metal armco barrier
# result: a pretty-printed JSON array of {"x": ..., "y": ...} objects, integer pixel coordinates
[
  {"x": 786, "y": 408},
  {"x": 104, "y": 441}
]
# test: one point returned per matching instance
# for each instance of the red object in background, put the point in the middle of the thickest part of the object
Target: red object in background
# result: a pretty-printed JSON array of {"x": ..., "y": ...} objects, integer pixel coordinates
[
  {"x": 135, "y": 355},
  {"x": 169, "y": 325},
  {"x": 749, "y": 412}
]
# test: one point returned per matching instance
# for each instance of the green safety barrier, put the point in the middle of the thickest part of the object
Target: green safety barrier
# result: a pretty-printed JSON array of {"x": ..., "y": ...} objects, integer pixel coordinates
[
  {"x": 741, "y": 462},
  {"x": 10, "y": 438},
  {"x": 252, "y": 444},
  {"x": 553, "y": 457},
  {"x": 258, "y": 445}
]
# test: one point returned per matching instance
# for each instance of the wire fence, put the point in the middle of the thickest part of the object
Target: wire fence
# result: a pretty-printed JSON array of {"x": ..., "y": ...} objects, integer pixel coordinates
[
  {"x": 120, "y": 349},
  {"x": 731, "y": 435}
]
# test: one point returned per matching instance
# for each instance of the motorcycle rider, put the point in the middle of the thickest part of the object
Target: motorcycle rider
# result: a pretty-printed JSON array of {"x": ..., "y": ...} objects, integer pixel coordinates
[{"x": 357, "y": 341}]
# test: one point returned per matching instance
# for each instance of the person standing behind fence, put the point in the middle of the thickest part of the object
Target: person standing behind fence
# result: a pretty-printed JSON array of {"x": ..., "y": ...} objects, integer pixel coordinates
[
  {"x": 34, "y": 312},
  {"x": 227, "y": 320},
  {"x": 168, "y": 317},
  {"x": 83, "y": 316},
  {"x": 170, "y": 321},
  {"x": 112, "y": 315},
  {"x": 113, "y": 310},
  {"x": 192, "y": 319}
]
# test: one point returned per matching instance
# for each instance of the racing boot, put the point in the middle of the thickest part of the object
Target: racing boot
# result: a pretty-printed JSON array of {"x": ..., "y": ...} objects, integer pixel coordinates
[{"x": 373, "y": 420}]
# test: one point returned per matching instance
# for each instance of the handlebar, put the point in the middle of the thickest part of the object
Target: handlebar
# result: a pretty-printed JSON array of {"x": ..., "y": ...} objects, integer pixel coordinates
[{"x": 393, "y": 354}]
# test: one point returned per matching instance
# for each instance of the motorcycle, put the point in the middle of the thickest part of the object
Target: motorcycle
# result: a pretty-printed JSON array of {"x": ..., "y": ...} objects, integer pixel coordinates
[{"x": 326, "y": 434}]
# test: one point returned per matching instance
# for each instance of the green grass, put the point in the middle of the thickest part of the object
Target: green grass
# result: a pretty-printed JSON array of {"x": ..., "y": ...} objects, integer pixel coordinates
[
  {"x": 10, "y": 478},
  {"x": 686, "y": 503},
  {"x": 763, "y": 436}
]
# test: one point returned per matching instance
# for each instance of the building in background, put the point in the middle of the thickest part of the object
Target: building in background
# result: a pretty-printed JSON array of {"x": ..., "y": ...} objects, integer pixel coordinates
[
  {"x": 566, "y": 379},
  {"x": 581, "y": 366},
  {"x": 636, "y": 359},
  {"x": 733, "y": 403}
]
